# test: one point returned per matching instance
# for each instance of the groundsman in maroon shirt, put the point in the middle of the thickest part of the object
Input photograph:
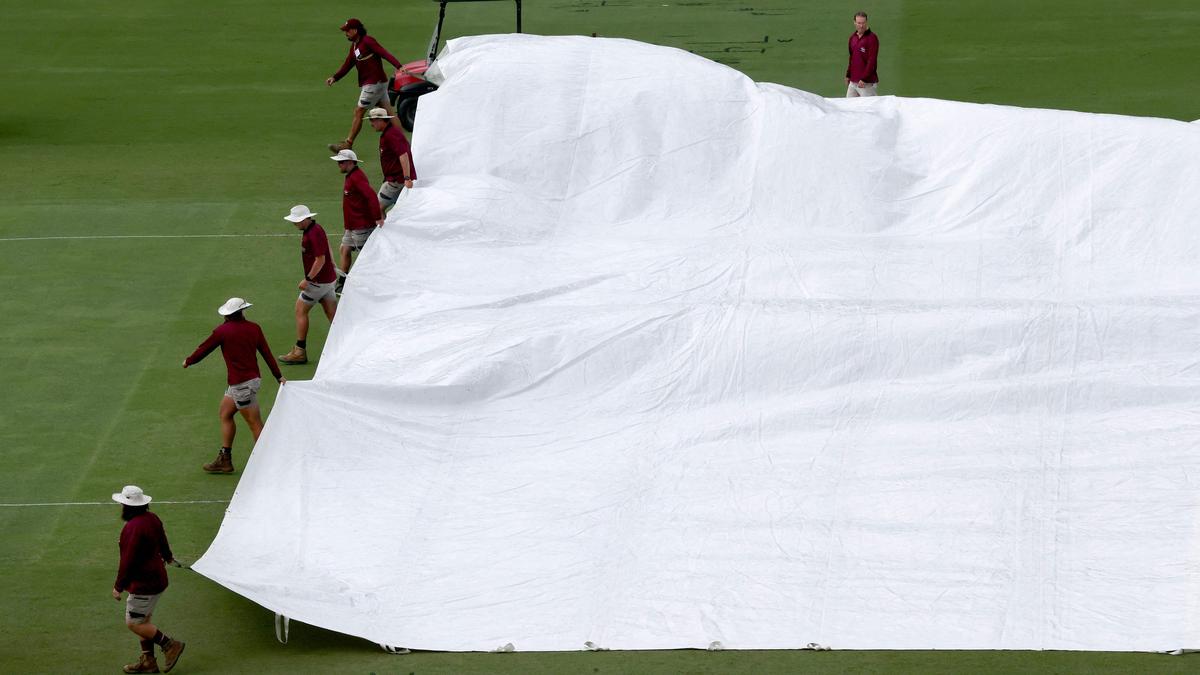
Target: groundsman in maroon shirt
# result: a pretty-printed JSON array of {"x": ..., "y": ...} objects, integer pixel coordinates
[
  {"x": 861, "y": 75},
  {"x": 142, "y": 573},
  {"x": 395, "y": 158},
  {"x": 367, "y": 56},
  {"x": 239, "y": 340},
  {"x": 361, "y": 213}
]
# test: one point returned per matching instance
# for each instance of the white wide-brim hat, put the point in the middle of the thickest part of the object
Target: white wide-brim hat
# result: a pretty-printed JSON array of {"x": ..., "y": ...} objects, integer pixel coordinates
[
  {"x": 378, "y": 114},
  {"x": 132, "y": 495},
  {"x": 233, "y": 305},
  {"x": 345, "y": 156},
  {"x": 299, "y": 213}
]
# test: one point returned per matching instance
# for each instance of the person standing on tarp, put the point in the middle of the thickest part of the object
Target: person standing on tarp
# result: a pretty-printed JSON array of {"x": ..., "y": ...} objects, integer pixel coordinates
[
  {"x": 238, "y": 339},
  {"x": 861, "y": 77},
  {"x": 395, "y": 158},
  {"x": 366, "y": 55},
  {"x": 360, "y": 211},
  {"x": 318, "y": 282},
  {"x": 143, "y": 574}
]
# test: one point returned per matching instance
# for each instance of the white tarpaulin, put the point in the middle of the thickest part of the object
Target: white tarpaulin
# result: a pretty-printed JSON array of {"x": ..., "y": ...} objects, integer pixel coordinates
[{"x": 655, "y": 356}]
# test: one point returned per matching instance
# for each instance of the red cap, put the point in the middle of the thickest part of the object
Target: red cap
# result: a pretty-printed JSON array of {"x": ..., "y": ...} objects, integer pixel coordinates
[{"x": 351, "y": 23}]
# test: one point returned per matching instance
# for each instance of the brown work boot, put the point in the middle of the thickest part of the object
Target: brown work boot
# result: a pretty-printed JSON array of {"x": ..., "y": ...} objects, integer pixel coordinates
[
  {"x": 222, "y": 464},
  {"x": 298, "y": 356},
  {"x": 171, "y": 653},
  {"x": 145, "y": 664},
  {"x": 341, "y": 145}
]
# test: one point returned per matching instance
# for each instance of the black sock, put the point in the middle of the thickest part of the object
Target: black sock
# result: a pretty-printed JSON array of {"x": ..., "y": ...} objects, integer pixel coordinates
[
  {"x": 302, "y": 344},
  {"x": 226, "y": 451},
  {"x": 160, "y": 639},
  {"x": 148, "y": 647}
]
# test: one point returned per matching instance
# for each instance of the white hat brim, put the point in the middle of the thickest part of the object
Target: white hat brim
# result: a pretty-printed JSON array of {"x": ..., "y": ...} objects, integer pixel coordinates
[
  {"x": 224, "y": 312},
  {"x": 122, "y": 499}
]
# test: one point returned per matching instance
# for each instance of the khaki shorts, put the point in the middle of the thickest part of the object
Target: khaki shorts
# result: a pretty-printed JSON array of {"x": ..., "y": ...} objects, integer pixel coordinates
[
  {"x": 373, "y": 95},
  {"x": 355, "y": 240},
  {"x": 315, "y": 292},
  {"x": 244, "y": 394},
  {"x": 138, "y": 608},
  {"x": 389, "y": 192},
  {"x": 868, "y": 89}
]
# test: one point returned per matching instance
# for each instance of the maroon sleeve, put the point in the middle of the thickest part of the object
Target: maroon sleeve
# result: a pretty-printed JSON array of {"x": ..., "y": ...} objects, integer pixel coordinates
[
  {"x": 363, "y": 187},
  {"x": 346, "y": 66},
  {"x": 164, "y": 548},
  {"x": 850, "y": 48},
  {"x": 265, "y": 350},
  {"x": 204, "y": 349},
  {"x": 378, "y": 49},
  {"x": 872, "y": 54},
  {"x": 126, "y": 559}
]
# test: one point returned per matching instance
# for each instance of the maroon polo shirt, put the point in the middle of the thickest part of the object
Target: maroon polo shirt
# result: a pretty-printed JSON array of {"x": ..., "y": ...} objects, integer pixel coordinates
[
  {"x": 144, "y": 552},
  {"x": 367, "y": 56},
  {"x": 360, "y": 205},
  {"x": 392, "y": 146},
  {"x": 238, "y": 339},
  {"x": 314, "y": 243},
  {"x": 864, "y": 52}
]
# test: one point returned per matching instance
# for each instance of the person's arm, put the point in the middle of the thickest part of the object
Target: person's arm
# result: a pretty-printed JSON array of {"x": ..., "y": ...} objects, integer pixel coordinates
[
  {"x": 872, "y": 53},
  {"x": 318, "y": 263},
  {"x": 406, "y": 167},
  {"x": 203, "y": 350},
  {"x": 164, "y": 548},
  {"x": 265, "y": 350},
  {"x": 399, "y": 146},
  {"x": 128, "y": 555},
  {"x": 378, "y": 49},
  {"x": 367, "y": 195},
  {"x": 341, "y": 72},
  {"x": 850, "y": 61}
]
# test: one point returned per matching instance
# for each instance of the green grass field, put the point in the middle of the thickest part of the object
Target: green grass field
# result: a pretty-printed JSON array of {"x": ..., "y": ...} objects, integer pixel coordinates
[{"x": 210, "y": 118}]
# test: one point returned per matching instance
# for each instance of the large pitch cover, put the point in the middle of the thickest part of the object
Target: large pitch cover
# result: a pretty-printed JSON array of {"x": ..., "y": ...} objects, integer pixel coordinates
[{"x": 656, "y": 356}]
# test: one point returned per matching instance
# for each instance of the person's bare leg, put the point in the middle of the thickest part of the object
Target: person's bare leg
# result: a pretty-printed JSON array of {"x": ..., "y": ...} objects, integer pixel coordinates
[
  {"x": 330, "y": 308},
  {"x": 355, "y": 124},
  {"x": 344, "y": 252},
  {"x": 302, "y": 310},
  {"x": 145, "y": 630},
  {"x": 253, "y": 417},
  {"x": 228, "y": 429}
]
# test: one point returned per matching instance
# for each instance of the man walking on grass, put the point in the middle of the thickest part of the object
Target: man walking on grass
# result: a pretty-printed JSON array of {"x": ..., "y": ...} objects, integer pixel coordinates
[
  {"x": 143, "y": 574},
  {"x": 360, "y": 210},
  {"x": 395, "y": 158},
  {"x": 238, "y": 339},
  {"x": 861, "y": 78},
  {"x": 318, "y": 282},
  {"x": 366, "y": 55}
]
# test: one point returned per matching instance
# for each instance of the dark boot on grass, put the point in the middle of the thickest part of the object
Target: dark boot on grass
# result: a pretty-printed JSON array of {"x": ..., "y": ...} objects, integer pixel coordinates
[
  {"x": 145, "y": 664},
  {"x": 222, "y": 464}
]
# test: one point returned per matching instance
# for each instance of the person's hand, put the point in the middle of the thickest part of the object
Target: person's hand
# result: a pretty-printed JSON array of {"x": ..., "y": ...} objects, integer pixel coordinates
[
  {"x": 379, "y": 223},
  {"x": 185, "y": 363},
  {"x": 408, "y": 183},
  {"x": 303, "y": 284},
  {"x": 861, "y": 84},
  {"x": 329, "y": 82},
  {"x": 282, "y": 381},
  {"x": 116, "y": 595}
]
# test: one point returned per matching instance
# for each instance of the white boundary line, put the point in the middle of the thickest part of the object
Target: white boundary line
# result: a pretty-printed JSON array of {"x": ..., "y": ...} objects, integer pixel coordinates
[
  {"x": 146, "y": 236},
  {"x": 198, "y": 501}
]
